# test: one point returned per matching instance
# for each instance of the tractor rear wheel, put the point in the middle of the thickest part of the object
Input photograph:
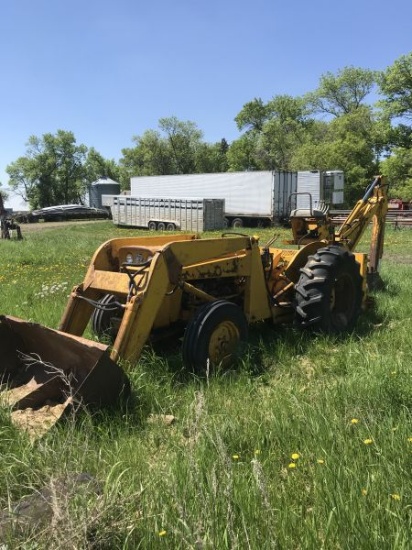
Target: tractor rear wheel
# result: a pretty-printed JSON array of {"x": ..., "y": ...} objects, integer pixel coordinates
[
  {"x": 102, "y": 317},
  {"x": 329, "y": 291},
  {"x": 214, "y": 337}
]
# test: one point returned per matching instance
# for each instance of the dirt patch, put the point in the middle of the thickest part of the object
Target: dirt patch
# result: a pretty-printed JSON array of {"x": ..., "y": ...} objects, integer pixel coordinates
[
  {"x": 393, "y": 257},
  {"x": 40, "y": 226},
  {"x": 39, "y": 421}
]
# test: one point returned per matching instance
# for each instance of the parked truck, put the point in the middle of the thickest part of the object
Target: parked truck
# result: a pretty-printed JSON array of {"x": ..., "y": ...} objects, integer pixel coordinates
[
  {"x": 251, "y": 198},
  {"x": 167, "y": 214}
]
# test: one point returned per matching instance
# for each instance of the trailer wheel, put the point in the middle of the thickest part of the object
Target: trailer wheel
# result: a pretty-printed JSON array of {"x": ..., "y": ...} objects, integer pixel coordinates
[
  {"x": 152, "y": 226},
  {"x": 102, "y": 316},
  {"x": 328, "y": 293},
  {"x": 237, "y": 223},
  {"x": 170, "y": 227},
  {"x": 161, "y": 226},
  {"x": 214, "y": 337}
]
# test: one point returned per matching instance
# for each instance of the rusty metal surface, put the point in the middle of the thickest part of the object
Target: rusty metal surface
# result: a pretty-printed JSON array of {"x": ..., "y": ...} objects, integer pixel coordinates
[{"x": 45, "y": 371}]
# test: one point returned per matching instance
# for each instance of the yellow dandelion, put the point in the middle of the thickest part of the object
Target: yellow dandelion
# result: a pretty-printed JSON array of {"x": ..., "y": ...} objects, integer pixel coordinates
[
  {"x": 368, "y": 441},
  {"x": 410, "y": 439},
  {"x": 294, "y": 456},
  {"x": 292, "y": 465},
  {"x": 320, "y": 461},
  {"x": 395, "y": 496},
  {"x": 257, "y": 452},
  {"x": 354, "y": 421},
  {"x": 364, "y": 492},
  {"x": 162, "y": 533},
  {"x": 235, "y": 457}
]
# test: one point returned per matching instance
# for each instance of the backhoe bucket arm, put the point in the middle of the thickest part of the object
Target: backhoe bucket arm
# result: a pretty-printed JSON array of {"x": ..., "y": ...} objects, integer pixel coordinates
[{"x": 372, "y": 207}]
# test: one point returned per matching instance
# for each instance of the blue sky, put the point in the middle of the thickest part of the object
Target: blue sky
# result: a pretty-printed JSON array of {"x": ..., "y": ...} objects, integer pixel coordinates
[{"x": 109, "y": 70}]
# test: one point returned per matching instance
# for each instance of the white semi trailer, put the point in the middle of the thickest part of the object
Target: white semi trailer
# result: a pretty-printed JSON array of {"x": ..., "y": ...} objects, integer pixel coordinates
[
  {"x": 320, "y": 188},
  {"x": 251, "y": 198}
]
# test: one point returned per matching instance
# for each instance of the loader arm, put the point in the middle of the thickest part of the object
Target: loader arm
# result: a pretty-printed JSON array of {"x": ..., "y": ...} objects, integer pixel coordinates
[
  {"x": 170, "y": 268},
  {"x": 372, "y": 207}
]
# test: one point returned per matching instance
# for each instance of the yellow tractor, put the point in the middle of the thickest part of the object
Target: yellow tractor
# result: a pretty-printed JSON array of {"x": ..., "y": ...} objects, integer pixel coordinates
[{"x": 205, "y": 291}]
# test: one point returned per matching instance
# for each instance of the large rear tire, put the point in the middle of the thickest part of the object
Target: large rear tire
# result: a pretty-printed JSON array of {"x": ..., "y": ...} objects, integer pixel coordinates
[
  {"x": 214, "y": 337},
  {"x": 329, "y": 291}
]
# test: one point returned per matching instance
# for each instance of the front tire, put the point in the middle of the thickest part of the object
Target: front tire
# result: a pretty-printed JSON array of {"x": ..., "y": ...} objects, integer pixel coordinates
[
  {"x": 214, "y": 337},
  {"x": 329, "y": 291}
]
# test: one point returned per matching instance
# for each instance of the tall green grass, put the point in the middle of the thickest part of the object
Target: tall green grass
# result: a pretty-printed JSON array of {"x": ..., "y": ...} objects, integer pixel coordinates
[{"x": 307, "y": 445}]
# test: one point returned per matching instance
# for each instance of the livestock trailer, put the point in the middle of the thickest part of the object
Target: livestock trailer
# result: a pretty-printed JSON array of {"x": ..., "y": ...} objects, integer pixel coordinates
[{"x": 167, "y": 213}]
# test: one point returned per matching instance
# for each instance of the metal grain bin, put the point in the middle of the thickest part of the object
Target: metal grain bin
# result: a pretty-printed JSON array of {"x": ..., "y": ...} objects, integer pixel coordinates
[{"x": 103, "y": 186}]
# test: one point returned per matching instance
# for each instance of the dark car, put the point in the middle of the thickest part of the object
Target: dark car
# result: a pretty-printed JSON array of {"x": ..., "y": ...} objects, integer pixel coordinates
[{"x": 68, "y": 212}]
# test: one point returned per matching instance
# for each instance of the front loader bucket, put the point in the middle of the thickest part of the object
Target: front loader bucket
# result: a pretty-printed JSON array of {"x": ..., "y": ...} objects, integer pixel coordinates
[{"x": 44, "y": 372}]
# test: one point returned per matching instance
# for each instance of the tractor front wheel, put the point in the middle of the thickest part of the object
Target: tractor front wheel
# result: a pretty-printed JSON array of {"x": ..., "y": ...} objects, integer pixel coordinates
[
  {"x": 329, "y": 291},
  {"x": 214, "y": 337}
]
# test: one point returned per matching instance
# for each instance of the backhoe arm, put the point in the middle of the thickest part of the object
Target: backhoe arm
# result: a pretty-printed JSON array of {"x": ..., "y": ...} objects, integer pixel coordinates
[{"x": 372, "y": 207}]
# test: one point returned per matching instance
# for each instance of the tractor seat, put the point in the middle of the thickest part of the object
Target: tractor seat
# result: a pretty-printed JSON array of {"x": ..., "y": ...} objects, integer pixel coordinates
[{"x": 306, "y": 213}]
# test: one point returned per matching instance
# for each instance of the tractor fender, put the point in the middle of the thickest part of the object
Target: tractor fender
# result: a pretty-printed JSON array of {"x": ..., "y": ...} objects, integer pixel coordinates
[{"x": 300, "y": 259}]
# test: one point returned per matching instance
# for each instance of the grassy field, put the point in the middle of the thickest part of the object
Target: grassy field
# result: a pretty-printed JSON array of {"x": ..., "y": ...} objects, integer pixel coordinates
[{"x": 307, "y": 445}]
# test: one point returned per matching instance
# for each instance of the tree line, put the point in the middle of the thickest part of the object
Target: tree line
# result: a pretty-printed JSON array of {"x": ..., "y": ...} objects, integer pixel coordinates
[{"x": 333, "y": 127}]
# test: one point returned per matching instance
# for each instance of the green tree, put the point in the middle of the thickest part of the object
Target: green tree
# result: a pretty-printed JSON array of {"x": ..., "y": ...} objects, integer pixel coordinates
[
  {"x": 346, "y": 143},
  {"x": 242, "y": 154},
  {"x": 273, "y": 132},
  {"x": 149, "y": 156},
  {"x": 184, "y": 139},
  {"x": 4, "y": 195},
  {"x": 23, "y": 174},
  {"x": 253, "y": 116},
  {"x": 342, "y": 93},
  {"x": 396, "y": 85},
  {"x": 283, "y": 133},
  {"x": 176, "y": 148},
  {"x": 96, "y": 166},
  {"x": 398, "y": 169},
  {"x": 211, "y": 157},
  {"x": 52, "y": 171}
]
